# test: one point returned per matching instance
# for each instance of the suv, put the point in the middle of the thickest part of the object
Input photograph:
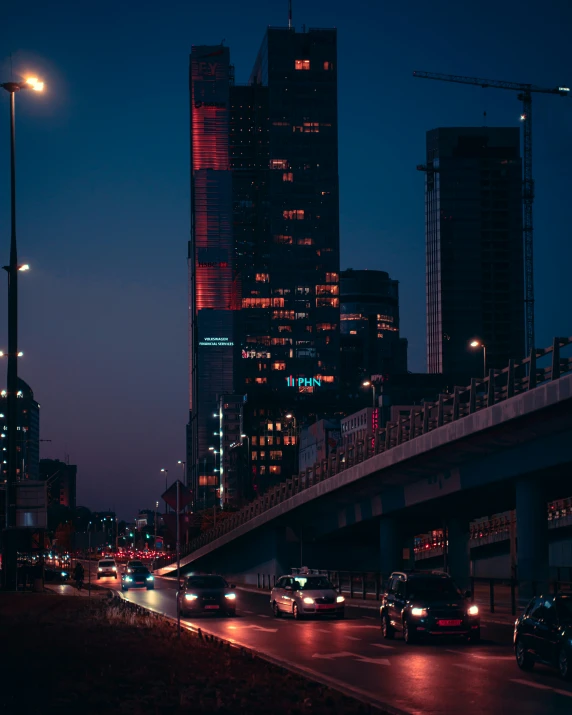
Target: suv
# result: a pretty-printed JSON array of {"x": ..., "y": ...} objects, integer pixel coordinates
[
  {"x": 304, "y": 594},
  {"x": 427, "y": 603},
  {"x": 106, "y": 567}
]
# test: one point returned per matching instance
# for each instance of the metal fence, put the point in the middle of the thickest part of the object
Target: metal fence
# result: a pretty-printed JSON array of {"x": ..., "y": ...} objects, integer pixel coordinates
[{"x": 498, "y": 386}]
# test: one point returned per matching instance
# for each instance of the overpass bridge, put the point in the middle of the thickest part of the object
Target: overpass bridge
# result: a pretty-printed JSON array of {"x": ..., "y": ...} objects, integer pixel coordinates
[{"x": 503, "y": 442}]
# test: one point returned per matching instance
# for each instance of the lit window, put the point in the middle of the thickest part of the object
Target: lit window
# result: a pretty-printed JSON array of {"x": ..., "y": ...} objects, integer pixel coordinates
[
  {"x": 263, "y": 469},
  {"x": 270, "y": 441},
  {"x": 262, "y": 455},
  {"x": 254, "y": 456},
  {"x": 261, "y": 380},
  {"x": 327, "y": 302},
  {"x": 328, "y": 65},
  {"x": 354, "y": 332},
  {"x": 254, "y": 439},
  {"x": 262, "y": 441},
  {"x": 333, "y": 278},
  {"x": 305, "y": 241},
  {"x": 301, "y": 64},
  {"x": 256, "y": 302},
  {"x": 276, "y": 454},
  {"x": 284, "y": 328},
  {"x": 281, "y": 238},
  {"x": 288, "y": 176},
  {"x": 327, "y": 290},
  {"x": 325, "y": 378},
  {"x": 262, "y": 278},
  {"x": 278, "y": 426},
  {"x": 270, "y": 426},
  {"x": 325, "y": 326},
  {"x": 282, "y": 315},
  {"x": 279, "y": 365},
  {"x": 293, "y": 214},
  {"x": 289, "y": 439},
  {"x": 278, "y": 163},
  {"x": 275, "y": 469}
]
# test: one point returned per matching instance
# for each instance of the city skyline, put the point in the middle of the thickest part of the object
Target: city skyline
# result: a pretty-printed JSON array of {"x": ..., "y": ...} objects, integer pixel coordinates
[{"x": 103, "y": 323}]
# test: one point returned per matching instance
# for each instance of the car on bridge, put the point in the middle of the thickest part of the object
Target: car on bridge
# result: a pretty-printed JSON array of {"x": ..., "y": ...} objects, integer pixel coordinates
[
  {"x": 305, "y": 594},
  {"x": 106, "y": 567},
  {"x": 427, "y": 603},
  {"x": 543, "y": 634},
  {"x": 137, "y": 577},
  {"x": 207, "y": 594}
]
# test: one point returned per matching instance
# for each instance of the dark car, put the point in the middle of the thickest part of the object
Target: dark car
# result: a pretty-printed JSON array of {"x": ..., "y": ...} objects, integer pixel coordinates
[
  {"x": 543, "y": 634},
  {"x": 207, "y": 594},
  {"x": 56, "y": 575},
  {"x": 135, "y": 563},
  {"x": 427, "y": 603},
  {"x": 137, "y": 577}
]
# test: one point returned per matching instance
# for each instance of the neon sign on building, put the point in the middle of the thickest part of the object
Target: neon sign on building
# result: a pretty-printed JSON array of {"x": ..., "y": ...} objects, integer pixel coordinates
[{"x": 303, "y": 382}]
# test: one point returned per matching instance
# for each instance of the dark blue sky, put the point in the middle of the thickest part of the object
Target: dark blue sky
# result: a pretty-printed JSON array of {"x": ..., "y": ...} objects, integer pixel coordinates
[{"x": 104, "y": 190}]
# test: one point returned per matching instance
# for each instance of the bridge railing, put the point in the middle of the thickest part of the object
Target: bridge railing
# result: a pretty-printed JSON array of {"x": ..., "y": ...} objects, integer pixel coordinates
[{"x": 483, "y": 392}]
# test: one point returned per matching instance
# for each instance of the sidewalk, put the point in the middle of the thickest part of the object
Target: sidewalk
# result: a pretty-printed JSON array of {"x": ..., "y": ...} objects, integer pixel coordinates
[{"x": 67, "y": 589}]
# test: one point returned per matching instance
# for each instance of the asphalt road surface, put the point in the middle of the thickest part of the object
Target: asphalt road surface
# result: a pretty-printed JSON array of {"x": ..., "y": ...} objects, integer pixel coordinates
[{"x": 426, "y": 679}]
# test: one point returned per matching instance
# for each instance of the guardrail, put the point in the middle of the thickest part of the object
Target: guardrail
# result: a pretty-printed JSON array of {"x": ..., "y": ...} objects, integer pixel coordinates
[{"x": 498, "y": 386}]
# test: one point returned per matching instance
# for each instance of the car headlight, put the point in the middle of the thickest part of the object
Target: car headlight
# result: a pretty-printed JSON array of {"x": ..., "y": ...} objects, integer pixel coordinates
[
  {"x": 100, "y": 569},
  {"x": 473, "y": 610},
  {"x": 309, "y": 600},
  {"x": 190, "y": 597},
  {"x": 115, "y": 568},
  {"x": 419, "y": 612},
  {"x": 150, "y": 578},
  {"x": 64, "y": 573},
  {"x": 230, "y": 596},
  {"x": 340, "y": 599},
  {"x": 128, "y": 578}
]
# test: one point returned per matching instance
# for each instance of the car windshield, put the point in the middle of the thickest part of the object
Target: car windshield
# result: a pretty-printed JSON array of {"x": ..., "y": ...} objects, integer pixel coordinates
[
  {"x": 564, "y": 609},
  {"x": 312, "y": 583},
  {"x": 140, "y": 570},
  {"x": 107, "y": 563},
  {"x": 207, "y": 582},
  {"x": 432, "y": 589}
]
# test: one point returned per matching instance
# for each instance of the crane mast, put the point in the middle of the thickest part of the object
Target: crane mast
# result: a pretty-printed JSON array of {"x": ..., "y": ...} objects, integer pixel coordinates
[{"x": 525, "y": 96}]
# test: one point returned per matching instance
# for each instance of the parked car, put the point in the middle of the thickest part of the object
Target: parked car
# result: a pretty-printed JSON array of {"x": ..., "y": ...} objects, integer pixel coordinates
[
  {"x": 207, "y": 594},
  {"x": 137, "y": 577},
  {"x": 106, "y": 567},
  {"x": 427, "y": 603},
  {"x": 306, "y": 594},
  {"x": 543, "y": 634}
]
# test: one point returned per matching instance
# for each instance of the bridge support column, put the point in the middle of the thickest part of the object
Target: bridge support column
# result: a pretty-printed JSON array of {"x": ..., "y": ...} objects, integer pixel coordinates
[
  {"x": 458, "y": 556},
  {"x": 532, "y": 539},
  {"x": 395, "y": 548}
]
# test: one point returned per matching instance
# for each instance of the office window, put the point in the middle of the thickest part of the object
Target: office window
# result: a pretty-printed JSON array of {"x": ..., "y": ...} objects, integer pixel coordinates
[
  {"x": 288, "y": 176},
  {"x": 254, "y": 456},
  {"x": 263, "y": 469},
  {"x": 270, "y": 441},
  {"x": 262, "y": 277},
  {"x": 328, "y": 65},
  {"x": 275, "y": 469},
  {"x": 305, "y": 241},
  {"x": 262, "y": 455},
  {"x": 293, "y": 214},
  {"x": 278, "y": 163},
  {"x": 282, "y": 238},
  {"x": 279, "y": 365},
  {"x": 254, "y": 439},
  {"x": 327, "y": 302},
  {"x": 261, "y": 380},
  {"x": 289, "y": 439},
  {"x": 301, "y": 64},
  {"x": 278, "y": 426},
  {"x": 332, "y": 278},
  {"x": 270, "y": 427},
  {"x": 276, "y": 454}
]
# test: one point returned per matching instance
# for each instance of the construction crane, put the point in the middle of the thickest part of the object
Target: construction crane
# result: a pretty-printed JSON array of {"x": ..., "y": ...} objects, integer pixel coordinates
[{"x": 525, "y": 96}]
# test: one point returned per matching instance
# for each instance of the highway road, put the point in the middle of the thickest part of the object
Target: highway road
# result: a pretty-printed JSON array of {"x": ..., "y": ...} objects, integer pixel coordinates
[{"x": 425, "y": 679}]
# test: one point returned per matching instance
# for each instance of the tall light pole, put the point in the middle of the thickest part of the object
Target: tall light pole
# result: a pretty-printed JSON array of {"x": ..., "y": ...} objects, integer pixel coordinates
[
  {"x": 292, "y": 417},
  {"x": 9, "y": 563},
  {"x": 368, "y": 383},
  {"x": 184, "y": 465},
  {"x": 166, "y": 471},
  {"x": 478, "y": 344}
]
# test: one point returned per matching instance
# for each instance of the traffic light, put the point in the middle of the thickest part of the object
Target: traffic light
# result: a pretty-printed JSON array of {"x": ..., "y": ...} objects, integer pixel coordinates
[{"x": 131, "y": 533}]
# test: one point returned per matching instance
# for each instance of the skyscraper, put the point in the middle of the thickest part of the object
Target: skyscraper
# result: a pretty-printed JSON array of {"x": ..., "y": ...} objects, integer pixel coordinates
[
  {"x": 475, "y": 270},
  {"x": 28, "y": 437},
  {"x": 275, "y": 164}
]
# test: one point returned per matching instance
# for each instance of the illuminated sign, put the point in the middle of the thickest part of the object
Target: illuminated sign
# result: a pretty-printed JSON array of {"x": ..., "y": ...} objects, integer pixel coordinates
[
  {"x": 216, "y": 342},
  {"x": 303, "y": 382},
  {"x": 213, "y": 264},
  {"x": 255, "y": 354}
]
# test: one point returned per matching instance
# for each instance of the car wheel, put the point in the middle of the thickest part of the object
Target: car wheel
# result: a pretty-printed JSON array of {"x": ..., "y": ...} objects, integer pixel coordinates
[
  {"x": 230, "y": 614},
  {"x": 115, "y": 577},
  {"x": 523, "y": 659},
  {"x": 409, "y": 636},
  {"x": 564, "y": 665},
  {"x": 150, "y": 588},
  {"x": 98, "y": 578},
  {"x": 275, "y": 610},
  {"x": 296, "y": 612},
  {"x": 386, "y": 628},
  {"x": 474, "y": 636}
]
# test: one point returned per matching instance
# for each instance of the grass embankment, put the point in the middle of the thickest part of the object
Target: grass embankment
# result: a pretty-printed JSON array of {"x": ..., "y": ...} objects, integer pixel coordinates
[{"x": 63, "y": 654}]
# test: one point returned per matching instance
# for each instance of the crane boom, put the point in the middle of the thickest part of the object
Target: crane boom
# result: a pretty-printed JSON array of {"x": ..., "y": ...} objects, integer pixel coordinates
[{"x": 525, "y": 96}]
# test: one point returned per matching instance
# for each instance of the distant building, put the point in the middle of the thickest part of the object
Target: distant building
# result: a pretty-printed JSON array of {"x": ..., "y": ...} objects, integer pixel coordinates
[
  {"x": 28, "y": 437},
  {"x": 317, "y": 441},
  {"x": 61, "y": 482},
  {"x": 474, "y": 245},
  {"x": 369, "y": 320},
  {"x": 359, "y": 428}
]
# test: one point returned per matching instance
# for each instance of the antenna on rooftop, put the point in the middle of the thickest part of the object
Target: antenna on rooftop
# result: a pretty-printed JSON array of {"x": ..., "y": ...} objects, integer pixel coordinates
[{"x": 289, "y": 14}]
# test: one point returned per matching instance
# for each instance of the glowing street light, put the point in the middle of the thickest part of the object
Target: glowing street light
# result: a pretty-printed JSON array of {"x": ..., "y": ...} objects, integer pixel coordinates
[
  {"x": 368, "y": 383},
  {"x": 479, "y": 344}
]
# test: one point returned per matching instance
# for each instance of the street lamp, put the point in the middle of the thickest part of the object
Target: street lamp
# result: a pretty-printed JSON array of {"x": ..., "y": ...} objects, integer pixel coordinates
[
  {"x": 368, "y": 383},
  {"x": 184, "y": 465},
  {"x": 479, "y": 344},
  {"x": 9, "y": 566}
]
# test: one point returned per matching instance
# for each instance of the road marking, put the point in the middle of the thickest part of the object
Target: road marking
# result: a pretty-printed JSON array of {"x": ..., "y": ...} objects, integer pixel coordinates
[
  {"x": 466, "y": 666},
  {"x": 492, "y": 657},
  {"x": 331, "y": 656},
  {"x": 353, "y": 638},
  {"x": 357, "y": 625},
  {"x": 261, "y": 629},
  {"x": 345, "y": 654},
  {"x": 323, "y": 630},
  {"x": 381, "y": 645},
  {"x": 540, "y": 686},
  {"x": 374, "y": 661},
  {"x": 262, "y": 615}
]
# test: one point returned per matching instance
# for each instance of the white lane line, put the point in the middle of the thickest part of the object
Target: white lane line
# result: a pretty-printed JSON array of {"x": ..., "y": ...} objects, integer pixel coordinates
[
  {"x": 540, "y": 686},
  {"x": 492, "y": 657},
  {"x": 466, "y": 666},
  {"x": 381, "y": 645},
  {"x": 353, "y": 638},
  {"x": 249, "y": 612},
  {"x": 262, "y": 615}
]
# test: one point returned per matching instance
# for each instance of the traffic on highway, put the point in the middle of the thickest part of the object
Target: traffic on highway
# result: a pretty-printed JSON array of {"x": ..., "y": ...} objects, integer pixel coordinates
[{"x": 350, "y": 648}]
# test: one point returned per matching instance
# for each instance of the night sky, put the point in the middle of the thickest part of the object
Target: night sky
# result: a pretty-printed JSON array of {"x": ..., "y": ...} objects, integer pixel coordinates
[{"x": 103, "y": 164}]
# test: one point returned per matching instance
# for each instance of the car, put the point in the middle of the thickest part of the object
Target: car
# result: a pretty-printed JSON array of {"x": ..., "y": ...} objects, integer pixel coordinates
[
  {"x": 427, "y": 603},
  {"x": 207, "y": 594},
  {"x": 106, "y": 567},
  {"x": 305, "y": 594},
  {"x": 137, "y": 577},
  {"x": 56, "y": 575},
  {"x": 543, "y": 634},
  {"x": 134, "y": 563}
]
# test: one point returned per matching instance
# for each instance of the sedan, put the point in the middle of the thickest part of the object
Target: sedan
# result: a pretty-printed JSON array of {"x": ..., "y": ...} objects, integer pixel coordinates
[
  {"x": 302, "y": 595},
  {"x": 138, "y": 577},
  {"x": 543, "y": 634},
  {"x": 207, "y": 594}
]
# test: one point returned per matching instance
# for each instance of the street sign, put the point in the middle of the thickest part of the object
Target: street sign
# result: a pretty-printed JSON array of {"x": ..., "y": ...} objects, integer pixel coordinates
[{"x": 170, "y": 496}]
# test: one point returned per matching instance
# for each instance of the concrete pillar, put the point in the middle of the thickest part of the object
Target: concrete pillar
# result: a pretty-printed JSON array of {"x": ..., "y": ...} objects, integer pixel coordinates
[
  {"x": 390, "y": 545},
  {"x": 458, "y": 556},
  {"x": 532, "y": 538}
]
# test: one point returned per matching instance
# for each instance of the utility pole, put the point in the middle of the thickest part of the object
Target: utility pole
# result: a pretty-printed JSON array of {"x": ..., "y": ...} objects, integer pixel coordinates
[{"x": 178, "y": 560}]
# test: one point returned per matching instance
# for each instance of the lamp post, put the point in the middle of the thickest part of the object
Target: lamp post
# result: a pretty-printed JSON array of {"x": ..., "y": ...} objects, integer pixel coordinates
[
  {"x": 368, "y": 383},
  {"x": 292, "y": 417},
  {"x": 9, "y": 565},
  {"x": 184, "y": 465},
  {"x": 478, "y": 344},
  {"x": 166, "y": 471}
]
